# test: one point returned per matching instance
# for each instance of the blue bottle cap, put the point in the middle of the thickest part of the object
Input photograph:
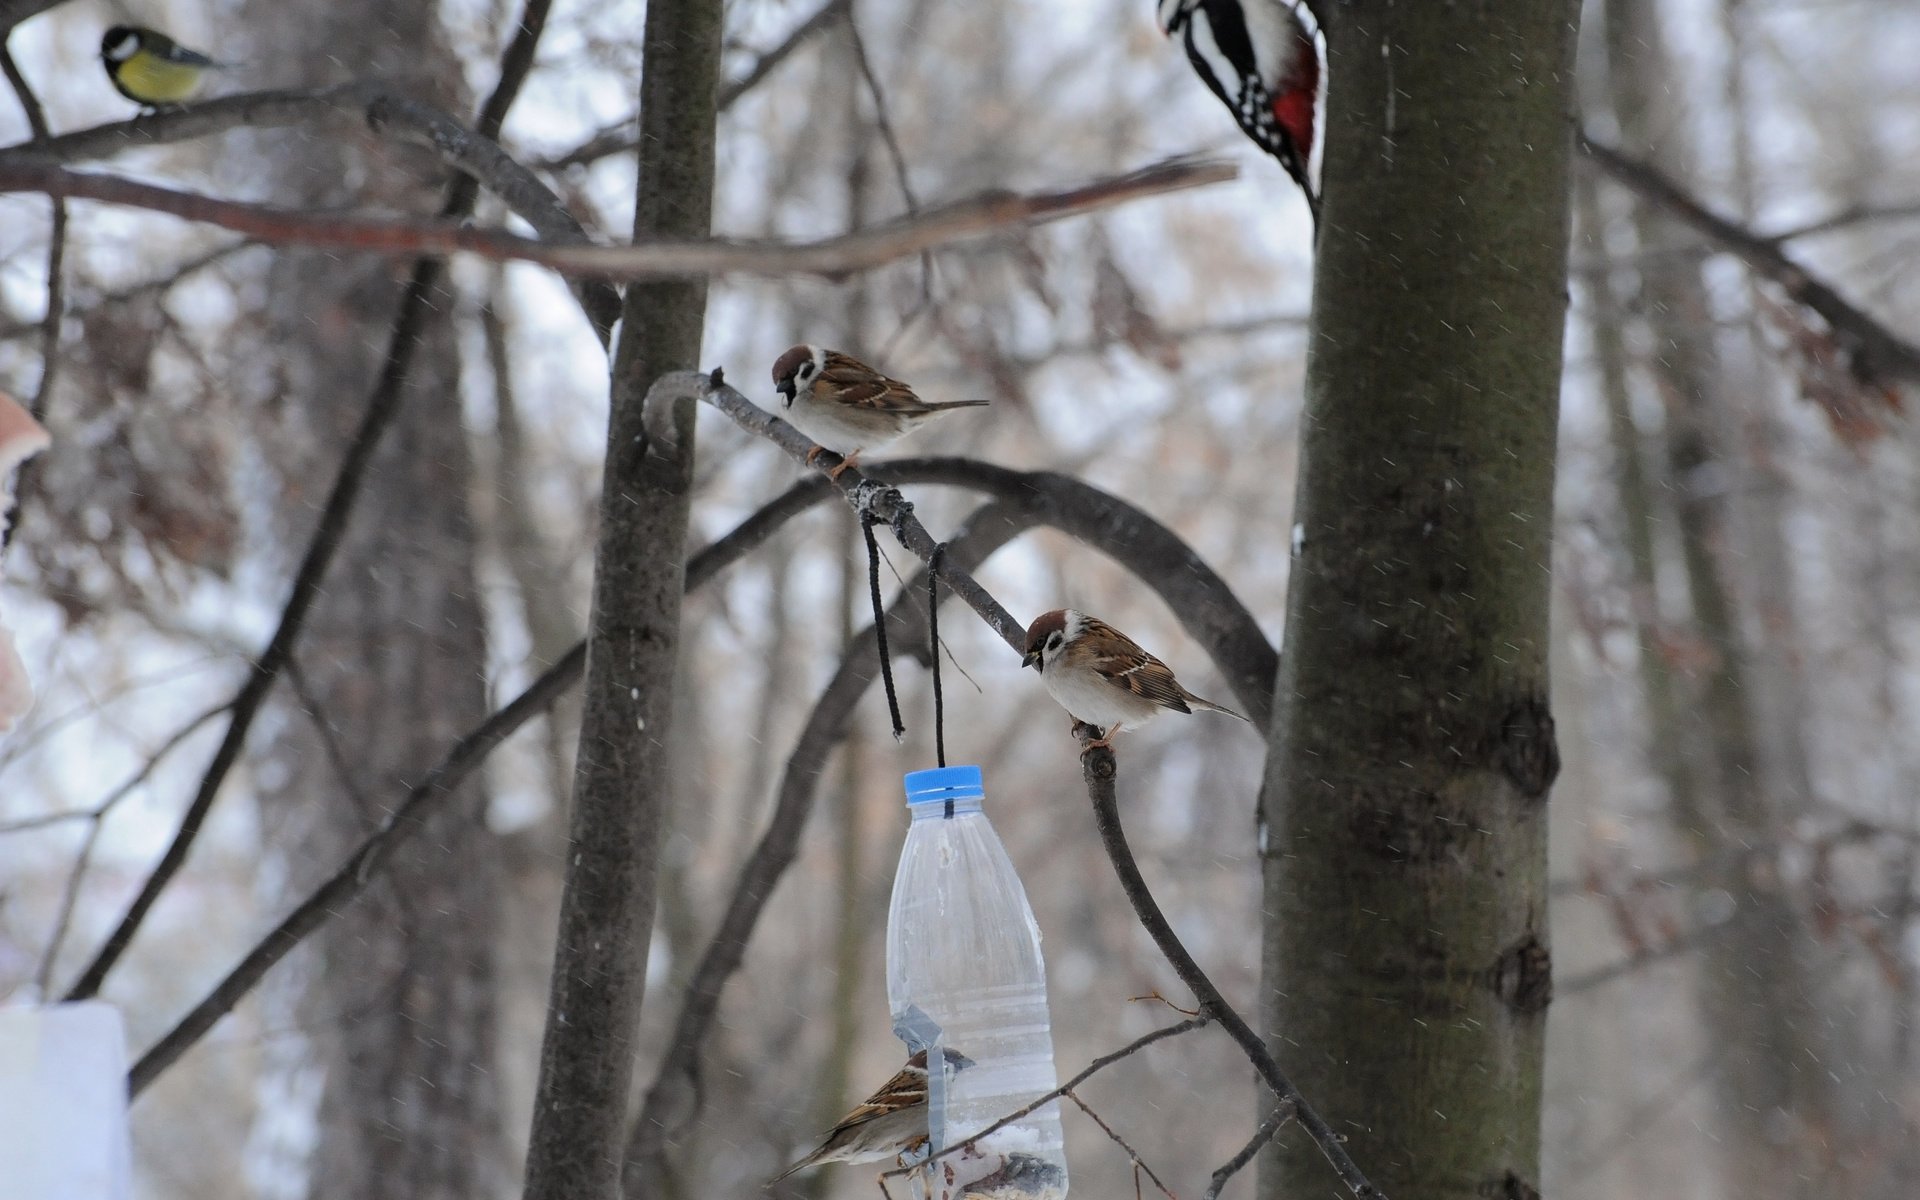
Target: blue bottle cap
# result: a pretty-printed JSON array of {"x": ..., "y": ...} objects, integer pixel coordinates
[{"x": 944, "y": 783}]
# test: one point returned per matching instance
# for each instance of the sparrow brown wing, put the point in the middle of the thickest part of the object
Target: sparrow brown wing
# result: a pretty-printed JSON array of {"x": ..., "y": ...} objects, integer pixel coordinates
[
  {"x": 856, "y": 384},
  {"x": 907, "y": 1088},
  {"x": 1120, "y": 661},
  {"x": 888, "y": 1106}
]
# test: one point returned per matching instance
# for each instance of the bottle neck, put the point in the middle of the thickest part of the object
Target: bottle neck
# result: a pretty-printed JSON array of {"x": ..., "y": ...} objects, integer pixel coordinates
[{"x": 939, "y": 810}]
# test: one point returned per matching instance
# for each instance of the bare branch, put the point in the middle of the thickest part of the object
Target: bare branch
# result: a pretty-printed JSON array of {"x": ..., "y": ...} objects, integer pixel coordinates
[
  {"x": 1088, "y": 1072},
  {"x": 363, "y": 865},
  {"x": 1204, "y": 603},
  {"x": 1685, "y": 943},
  {"x": 885, "y": 504},
  {"x": 1104, "y": 520},
  {"x": 650, "y": 258},
  {"x": 1878, "y": 351},
  {"x": 672, "y": 1101},
  {"x": 97, "y": 816},
  {"x": 367, "y": 103},
  {"x": 135, "y": 291},
  {"x": 1139, "y": 1163},
  {"x": 265, "y": 670},
  {"x": 1846, "y": 218},
  {"x": 473, "y": 152},
  {"x": 56, "y": 250},
  {"x": 409, "y": 326},
  {"x": 1206, "y": 606},
  {"x": 622, "y": 137},
  {"x": 882, "y": 119},
  {"x": 422, "y": 801},
  {"x": 1269, "y": 1125},
  {"x": 1098, "y": 768}
]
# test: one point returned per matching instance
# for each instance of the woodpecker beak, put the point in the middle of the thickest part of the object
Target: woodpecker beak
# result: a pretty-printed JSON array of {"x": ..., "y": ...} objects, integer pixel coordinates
[{"x": 1031, "y": 659}]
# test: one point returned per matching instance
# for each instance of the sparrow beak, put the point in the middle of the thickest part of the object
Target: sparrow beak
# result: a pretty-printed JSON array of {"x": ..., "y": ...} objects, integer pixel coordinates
[
  {"x": 1031, "y": 659},
  {"x": 785, "y": 388}
]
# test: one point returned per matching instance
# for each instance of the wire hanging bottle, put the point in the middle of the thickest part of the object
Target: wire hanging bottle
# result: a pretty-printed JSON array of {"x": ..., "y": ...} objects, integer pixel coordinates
[{"x": 966, "y": 981}]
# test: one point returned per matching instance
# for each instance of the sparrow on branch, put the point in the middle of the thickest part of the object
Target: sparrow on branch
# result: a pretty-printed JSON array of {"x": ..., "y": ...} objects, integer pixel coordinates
[
  {"x": 1102, "y": 677},
  {"x": 846, "y": 406}
]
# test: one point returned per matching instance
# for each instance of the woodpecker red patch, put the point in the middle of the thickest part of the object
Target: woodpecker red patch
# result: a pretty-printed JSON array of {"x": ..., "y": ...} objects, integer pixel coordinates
[{"x": 1294, "y": 107}]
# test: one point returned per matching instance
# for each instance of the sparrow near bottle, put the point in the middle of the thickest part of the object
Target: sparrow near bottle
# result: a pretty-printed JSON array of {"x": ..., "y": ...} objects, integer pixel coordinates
[{"x": 1102, "y": 677}]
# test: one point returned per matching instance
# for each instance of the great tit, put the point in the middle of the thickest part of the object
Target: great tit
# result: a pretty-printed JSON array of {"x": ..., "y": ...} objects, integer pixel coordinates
[{"x": 150, "y": 68}]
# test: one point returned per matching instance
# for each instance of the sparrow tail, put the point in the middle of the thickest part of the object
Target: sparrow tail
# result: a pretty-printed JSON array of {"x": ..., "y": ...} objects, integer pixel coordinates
[
  {"x": 942, "y": 405},
  {"x": 1210, "y": 706}
]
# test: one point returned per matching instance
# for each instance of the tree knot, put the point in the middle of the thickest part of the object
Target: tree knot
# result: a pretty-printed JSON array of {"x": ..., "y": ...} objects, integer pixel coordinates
[
  {"x": 1523, "y": 976},
  {"x": 1525, "y": 748},
  {"x": 1509, "y": 1187}
]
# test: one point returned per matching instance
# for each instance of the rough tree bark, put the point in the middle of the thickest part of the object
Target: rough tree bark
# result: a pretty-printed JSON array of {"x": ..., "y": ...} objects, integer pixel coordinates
[
  {"x": 624, "y": 769},
  {"x": 398, "y": 1002},
  {"x": 1403, "y": 810}
]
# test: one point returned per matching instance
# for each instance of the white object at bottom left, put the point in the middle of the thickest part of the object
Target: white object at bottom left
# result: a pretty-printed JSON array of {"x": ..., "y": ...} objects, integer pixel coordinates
[{"x": 63, "y": 1103}]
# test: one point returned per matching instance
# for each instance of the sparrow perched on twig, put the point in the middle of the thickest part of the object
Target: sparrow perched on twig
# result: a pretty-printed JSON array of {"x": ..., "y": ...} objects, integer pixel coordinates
[
  {"x": 1102, "y": 677},
  {"x": 887, "y": 1124},
  {"x": 846, "y": 406}
]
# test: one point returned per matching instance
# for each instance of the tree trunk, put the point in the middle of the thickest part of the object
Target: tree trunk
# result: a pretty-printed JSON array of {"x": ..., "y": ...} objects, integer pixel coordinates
[
  {"x": 399, "y": 996},
  {"x": 1403, "y": 811},
  {"x": 1758, "y": 992},
  {"x": 623, "y": 775}
]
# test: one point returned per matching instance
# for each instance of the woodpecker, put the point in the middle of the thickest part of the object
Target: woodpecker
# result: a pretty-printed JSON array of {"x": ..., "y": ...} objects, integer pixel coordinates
[{"x": 1259, "y": 58}]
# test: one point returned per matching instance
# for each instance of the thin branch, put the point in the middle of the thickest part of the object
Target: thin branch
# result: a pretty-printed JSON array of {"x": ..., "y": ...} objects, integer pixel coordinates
[
  {"x": 265, "y": 670},
  {"x": 136, "y": 291},
  {"x": 1686, "y": 943},
  {"x": 652, "y": 258},
  {"x": 473, "y": 152},
  {"x": 330, "y": 747},
  {"x": 881, "y": 119},
  {"x": 422, "y": 802},
  {"x": 50, "y": 324},
  {"x": 672, "y": 1100},
  {"x": 1139, "y": 1163},
  {"x": 1851, "y": 215},
  {"x": 56, "y": 247},
  {"x": 409, "y": 326},
  {"x": 1269, "y": 1125},
  {"x": 334, "y": 895},
  {"x": 1089, "y": 1071},
  {"x": 1098, "y": 768},
  {"x": 883, "y": 122},
  {"x": 63, "y": 918},
  {"x": 623, "y": 137},
  {"x": 885, "y": 504},
  {"x": 28, "y": 824},
  {"x": 368, "y": 104},
  {"x": 1202, "y": 601},
  {"x": 1879, "y": 351},
  {"x": 97, "y": 817}
]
